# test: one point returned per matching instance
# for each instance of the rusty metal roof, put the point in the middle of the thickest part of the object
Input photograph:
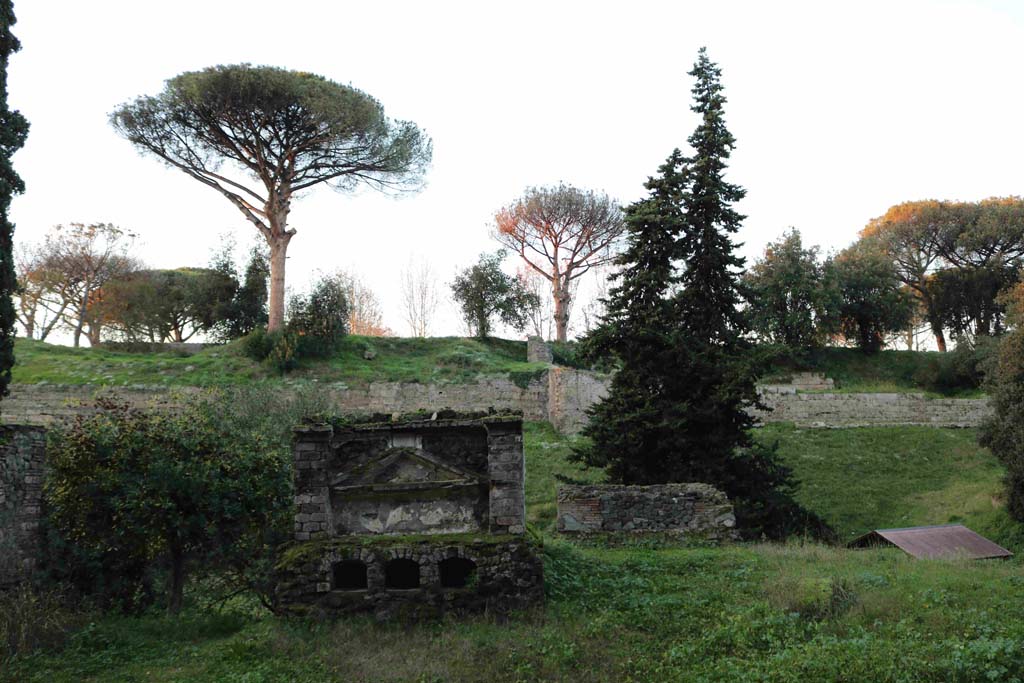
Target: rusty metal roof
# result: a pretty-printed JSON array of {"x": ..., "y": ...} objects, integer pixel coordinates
[{"x": 934, "y": 542}]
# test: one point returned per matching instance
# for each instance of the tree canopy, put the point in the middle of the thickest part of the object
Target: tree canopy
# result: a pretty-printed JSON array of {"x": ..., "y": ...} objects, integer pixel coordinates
[
  {"x": 790, "y": 303},
  {"x": 286, "y": 130},
  {"x": 483, "y": 291},
  {"x": 13, "y": 131},
  {"x": 561, "y": 233}
]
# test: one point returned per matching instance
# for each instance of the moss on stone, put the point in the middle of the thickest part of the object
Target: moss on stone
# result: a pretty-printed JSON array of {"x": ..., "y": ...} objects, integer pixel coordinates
[{"x": 311, "y": 551}]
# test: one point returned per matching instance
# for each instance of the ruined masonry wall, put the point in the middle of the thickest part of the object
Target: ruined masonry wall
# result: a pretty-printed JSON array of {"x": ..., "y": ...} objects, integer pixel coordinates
[
  {"x": 22, "y": 455},
  {"x": 42, "y": 404},
  {"x": 561, "y": 395},
  {"x": 683, "y": 508}
]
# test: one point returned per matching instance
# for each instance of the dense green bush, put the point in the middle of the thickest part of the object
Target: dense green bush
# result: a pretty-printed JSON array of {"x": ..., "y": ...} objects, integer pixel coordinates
[
  {"x": 131, "y": 492},
  {"x": 319, "y": 321},
  {"x": 958, "y": 370},
  {"x": 317, "y": 326}
]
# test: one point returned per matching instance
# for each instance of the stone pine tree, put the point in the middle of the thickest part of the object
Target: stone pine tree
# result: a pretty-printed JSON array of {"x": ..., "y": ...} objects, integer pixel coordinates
[
  {"x": 677, "y": 410},
  {"x": 13, "y": 130},
  {"x": 281, "y": 132}
]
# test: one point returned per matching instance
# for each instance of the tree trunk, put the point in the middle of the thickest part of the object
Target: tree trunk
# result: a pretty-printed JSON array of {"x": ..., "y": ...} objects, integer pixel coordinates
[
  {"x": 278, "y": 236},
  {"x": 560, "y": 292},
  {"x": 82, "y": 307},
  {"x": 940, "y": 338},
  {"x": 176, "y": 589},
  {"x": 278, "y": 254}
]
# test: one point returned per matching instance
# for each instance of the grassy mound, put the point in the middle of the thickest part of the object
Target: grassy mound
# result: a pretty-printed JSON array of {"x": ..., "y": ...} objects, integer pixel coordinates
[{"x": 361, "y": 360}]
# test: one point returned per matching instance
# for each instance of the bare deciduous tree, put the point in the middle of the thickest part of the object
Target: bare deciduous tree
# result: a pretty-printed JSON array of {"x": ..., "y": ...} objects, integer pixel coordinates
[
  {"x": 79, "y": 260},
  {"x": 561, "y": 233},
  {"x": 365, "y": 315},
  {"x": 419, "y": 296}
]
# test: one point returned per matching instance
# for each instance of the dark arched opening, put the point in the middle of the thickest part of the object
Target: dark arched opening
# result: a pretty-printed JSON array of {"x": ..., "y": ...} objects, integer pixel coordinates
[
  {"x": 456, "y": 572},
  {"x": 349, "y": 575},
  {"x": 402, "y": 574}
]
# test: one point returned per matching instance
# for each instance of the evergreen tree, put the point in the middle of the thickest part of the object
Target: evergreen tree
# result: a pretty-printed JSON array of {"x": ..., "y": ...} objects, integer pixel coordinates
[
  {"x": 13, "y": 130},
  {"x": 677, "y": 410}
]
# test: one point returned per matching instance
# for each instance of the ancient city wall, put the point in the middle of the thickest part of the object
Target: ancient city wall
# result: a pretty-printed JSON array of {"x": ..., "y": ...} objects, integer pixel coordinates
[
  {"x": 22, "y": 454},
  {"x": 871, "y": 410},
  {"x": 559, "y": 395},
  {"x": 42, "y": 404},
  {"x": 675, "y": 508}
]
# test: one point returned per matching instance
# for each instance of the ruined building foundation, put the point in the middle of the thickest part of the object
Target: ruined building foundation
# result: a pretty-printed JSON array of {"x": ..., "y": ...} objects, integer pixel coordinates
[{"x": 412, "y": 517}]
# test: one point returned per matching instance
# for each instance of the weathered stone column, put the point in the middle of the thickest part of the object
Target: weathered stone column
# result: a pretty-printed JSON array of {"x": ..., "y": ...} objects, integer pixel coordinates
[
  {"x": 311, "y": 452},
  {"x": 507, "y": 470}
]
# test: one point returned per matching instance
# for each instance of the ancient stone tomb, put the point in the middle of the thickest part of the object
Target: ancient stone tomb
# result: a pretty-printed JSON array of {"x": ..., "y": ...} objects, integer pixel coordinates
[{"x": 414, "y": 516}]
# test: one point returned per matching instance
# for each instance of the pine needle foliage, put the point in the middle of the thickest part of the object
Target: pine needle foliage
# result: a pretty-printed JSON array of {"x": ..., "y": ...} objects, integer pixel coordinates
[
  {"x": 677, "y": 409},
  {"x": 13, "y": 131}
]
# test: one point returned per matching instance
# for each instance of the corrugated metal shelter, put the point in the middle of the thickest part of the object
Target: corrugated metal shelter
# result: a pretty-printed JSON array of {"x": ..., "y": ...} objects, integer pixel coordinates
[{"x": 934, "y": 542}]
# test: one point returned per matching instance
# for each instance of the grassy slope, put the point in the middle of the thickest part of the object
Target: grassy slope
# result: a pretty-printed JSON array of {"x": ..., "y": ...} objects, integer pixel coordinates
[
  {"x": 757, "y": 613},
  {"x": 883, "y": 372},
  {"x": 883, "y": 477},
  {"x": 407, "y": 360},
  {"x": 448, "y": 359}
]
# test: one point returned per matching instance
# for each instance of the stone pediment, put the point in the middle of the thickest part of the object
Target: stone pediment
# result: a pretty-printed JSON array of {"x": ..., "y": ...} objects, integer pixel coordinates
[{"x": 402, "y": 469}]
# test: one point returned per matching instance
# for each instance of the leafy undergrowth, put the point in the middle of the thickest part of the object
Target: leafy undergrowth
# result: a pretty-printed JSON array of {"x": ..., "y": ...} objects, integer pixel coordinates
[
  {"x": 754, "y": 613},
  {"x": 439, "y": 359}
]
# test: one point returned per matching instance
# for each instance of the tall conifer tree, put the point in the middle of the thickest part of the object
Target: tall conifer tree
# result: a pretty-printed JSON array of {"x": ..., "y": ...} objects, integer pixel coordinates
[
  {"x": 677, "y": 410},
  {"x": 13, "y": 130}
]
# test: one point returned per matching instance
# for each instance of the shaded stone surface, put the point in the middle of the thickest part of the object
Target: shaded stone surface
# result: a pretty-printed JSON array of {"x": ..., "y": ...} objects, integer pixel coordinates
[
  {"x": 402, "y": 497},
  {"x": 507, "y": 574},
  {"x": 22, "y": 459},
  {"x": 687, "y": 509}
]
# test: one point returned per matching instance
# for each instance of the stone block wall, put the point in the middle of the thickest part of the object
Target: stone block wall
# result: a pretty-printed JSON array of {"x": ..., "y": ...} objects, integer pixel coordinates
[
  {"x": 561, "y": 396},
  {"x": 570, "y": 393},
  {"x": 43, "y": 404},
  {"x": 504, "y": 574},
  {"x": 873, "y": 410},
  {"x": 538, "y": 351},
  {"x": 697, "y": 509},
  {"x": 22, "y": 458}
]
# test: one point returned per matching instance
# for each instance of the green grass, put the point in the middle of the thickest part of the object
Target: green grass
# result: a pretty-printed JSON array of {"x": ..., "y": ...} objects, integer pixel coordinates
[
  {"x": 884, "y": 477},
  {"x": 439, "y": 359},
  {"x": 746, "y": 613},
  {"x": 653, "y": 612}
]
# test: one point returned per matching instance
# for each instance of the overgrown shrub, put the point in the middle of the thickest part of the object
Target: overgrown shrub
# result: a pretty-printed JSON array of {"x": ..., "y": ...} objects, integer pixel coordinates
[
  {"x": 34, "y": 619},
  {"x": 131, "y": 491},
  {"x": 317, "y": 325},
  {"x": 319, "y": 320},
  {"x": 962, "y": 369}
]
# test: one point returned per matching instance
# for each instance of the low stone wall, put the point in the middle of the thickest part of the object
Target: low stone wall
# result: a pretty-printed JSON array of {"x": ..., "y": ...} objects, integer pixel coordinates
[
  {"x": 559, "y": 395},
  {"x": 505, "y": 574},
  {"x": 873, "y": 410},
  {"x": 43, "y": 404},
  {"x": 697, "y": 509},
  {"x": 22, "y": 456}
]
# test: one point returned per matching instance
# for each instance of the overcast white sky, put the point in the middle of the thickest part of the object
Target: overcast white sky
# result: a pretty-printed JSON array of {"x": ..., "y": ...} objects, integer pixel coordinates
[{"x": 839, "y": 110}]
